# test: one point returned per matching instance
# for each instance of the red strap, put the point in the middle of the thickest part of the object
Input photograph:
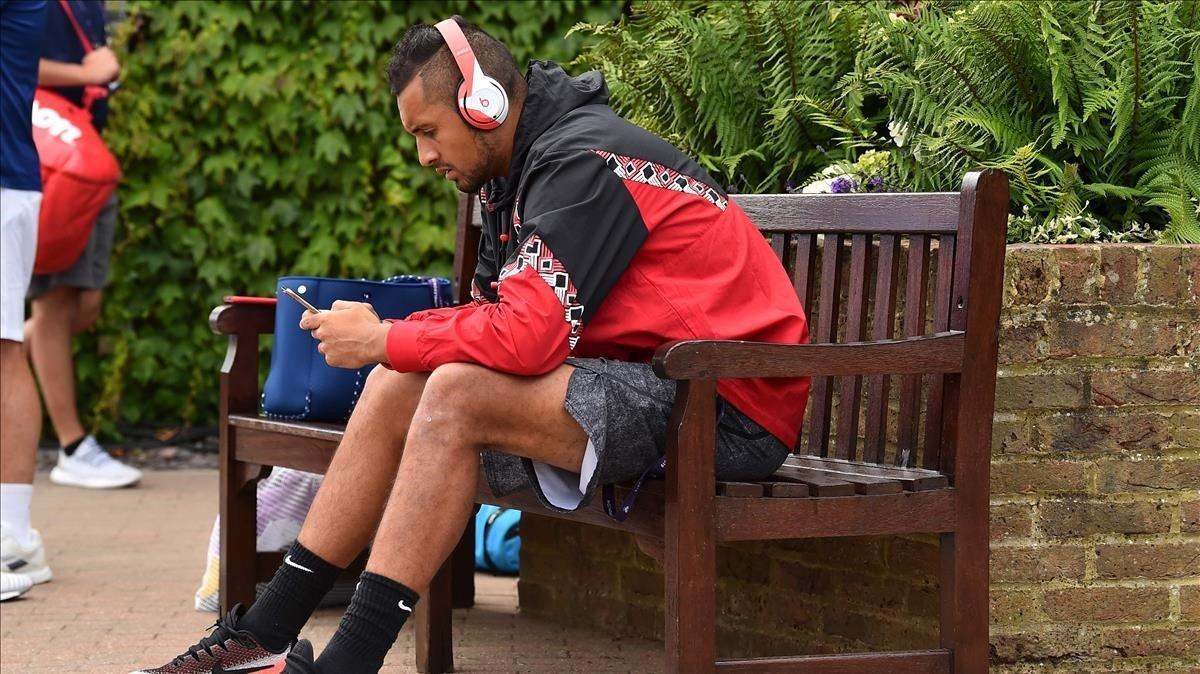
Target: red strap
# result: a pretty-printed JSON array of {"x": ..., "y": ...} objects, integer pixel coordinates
[{"x": 83, "y": 38}]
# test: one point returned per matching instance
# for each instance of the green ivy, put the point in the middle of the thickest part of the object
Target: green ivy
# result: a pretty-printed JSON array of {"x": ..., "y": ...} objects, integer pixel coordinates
[{"x": 257, "y": 140}]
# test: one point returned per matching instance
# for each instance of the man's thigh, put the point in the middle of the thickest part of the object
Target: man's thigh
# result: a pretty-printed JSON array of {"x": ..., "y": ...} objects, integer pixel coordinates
[{"x": 519, "y": 415}]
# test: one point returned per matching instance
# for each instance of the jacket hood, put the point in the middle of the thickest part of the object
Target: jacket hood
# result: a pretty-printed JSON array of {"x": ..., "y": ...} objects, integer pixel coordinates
[{"x": 551, "y": 94}]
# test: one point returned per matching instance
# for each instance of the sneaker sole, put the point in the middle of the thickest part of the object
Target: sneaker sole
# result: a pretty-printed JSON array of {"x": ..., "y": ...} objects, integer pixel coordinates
[
  {"x": 67, "y": 479},
  {"x": 38, "y": 576},
  {"x": 5, "y": 596}
]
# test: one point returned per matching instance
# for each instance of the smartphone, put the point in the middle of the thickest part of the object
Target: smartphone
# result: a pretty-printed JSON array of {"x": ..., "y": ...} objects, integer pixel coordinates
[{"x": 303, "y": 302}]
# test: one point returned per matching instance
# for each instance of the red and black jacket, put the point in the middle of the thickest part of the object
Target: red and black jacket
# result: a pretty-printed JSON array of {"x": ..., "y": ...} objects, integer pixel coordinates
[{"x": 604, "y": 241}]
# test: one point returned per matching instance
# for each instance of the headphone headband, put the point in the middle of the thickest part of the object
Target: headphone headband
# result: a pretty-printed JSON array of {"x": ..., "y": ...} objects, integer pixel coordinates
[
  {"x": 464, "y": 56},
  {"x": 482, "y": 101}
]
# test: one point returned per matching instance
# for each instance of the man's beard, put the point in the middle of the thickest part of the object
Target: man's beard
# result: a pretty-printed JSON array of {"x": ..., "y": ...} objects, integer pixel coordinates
[{"x": 472, "y": 182}]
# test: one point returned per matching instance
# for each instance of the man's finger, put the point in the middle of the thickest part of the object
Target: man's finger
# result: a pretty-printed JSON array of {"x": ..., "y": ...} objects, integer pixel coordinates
[{"x": 339, "y": 305}]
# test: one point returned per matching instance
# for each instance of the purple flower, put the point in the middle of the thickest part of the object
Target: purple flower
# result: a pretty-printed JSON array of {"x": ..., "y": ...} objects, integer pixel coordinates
[
  {"x": 842, "y": 185},
  {"x": 875, "y": 184}
]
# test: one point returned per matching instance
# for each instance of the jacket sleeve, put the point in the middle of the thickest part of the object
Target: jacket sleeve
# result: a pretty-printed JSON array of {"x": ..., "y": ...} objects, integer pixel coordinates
[{"x": 579, "y": 232}]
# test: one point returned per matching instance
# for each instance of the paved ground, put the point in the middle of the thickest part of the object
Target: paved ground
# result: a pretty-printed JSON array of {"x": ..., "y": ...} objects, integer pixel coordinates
[{"x": 126, "y": 564}]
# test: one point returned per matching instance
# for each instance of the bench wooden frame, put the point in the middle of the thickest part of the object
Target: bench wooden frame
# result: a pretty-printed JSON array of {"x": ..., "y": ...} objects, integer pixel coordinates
[{"x": 945, "y": 358}]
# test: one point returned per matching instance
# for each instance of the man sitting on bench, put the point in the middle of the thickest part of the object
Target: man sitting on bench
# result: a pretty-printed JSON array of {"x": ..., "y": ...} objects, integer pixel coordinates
[{"x": 600, "y": 243}]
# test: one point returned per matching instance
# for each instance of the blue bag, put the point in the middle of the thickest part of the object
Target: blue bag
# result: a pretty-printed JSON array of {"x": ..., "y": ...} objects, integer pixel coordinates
[
  {"x": 497, "y": 539},
  {"x": 300, "y": 385}
]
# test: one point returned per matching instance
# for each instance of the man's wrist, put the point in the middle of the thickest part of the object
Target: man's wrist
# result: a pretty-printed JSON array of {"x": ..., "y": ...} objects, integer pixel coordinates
[{"x": 379, "y": 340}]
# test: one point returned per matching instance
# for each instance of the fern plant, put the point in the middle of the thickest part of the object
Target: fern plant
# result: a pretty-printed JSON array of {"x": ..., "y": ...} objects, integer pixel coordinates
[
  {"x": 1091, "y": 106},
  {"x": 724, "y": 80}
]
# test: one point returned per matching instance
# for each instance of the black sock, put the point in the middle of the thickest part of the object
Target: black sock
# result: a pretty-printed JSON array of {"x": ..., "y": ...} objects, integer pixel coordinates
[
  {"x": 369, "y": 628},
  {"x": 70, "y": 447},
  {"x": 287, "y": 602}
]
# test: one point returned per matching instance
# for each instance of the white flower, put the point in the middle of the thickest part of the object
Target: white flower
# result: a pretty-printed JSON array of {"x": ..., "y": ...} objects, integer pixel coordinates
[
  {"x": 898, "y": 131},
  {"x": 818, "y": 187}
]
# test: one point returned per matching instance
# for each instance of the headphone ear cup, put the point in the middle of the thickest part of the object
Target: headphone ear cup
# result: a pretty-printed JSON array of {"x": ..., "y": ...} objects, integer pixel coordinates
[{"x": 486, "y": 107}]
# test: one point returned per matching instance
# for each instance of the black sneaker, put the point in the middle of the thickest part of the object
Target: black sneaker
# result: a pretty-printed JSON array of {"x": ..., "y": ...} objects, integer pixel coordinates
[
  {"x": 226, "y": 651},
  {"x": 301, "y": 660}
]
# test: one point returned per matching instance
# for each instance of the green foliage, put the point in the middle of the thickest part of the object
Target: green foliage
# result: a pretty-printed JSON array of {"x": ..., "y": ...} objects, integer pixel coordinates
[
  {"x": 722, "y": 80},
  {"x": 1091, "y": 106},
  {"x": 259, "y": 139}
]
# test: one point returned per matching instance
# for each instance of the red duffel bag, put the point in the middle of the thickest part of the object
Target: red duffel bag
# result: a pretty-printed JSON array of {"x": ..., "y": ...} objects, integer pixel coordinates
[{"x": 79, "y": 175}]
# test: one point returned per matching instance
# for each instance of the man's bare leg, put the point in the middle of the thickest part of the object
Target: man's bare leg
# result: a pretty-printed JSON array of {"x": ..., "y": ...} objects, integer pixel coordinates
[
  {"x": 466, "y": 408},
  {"x": 20, "y": 425},
  {"x": 348, "y": 506},
  {"x": 463, "y": 409},
  {"x": 48, "y": 332}
]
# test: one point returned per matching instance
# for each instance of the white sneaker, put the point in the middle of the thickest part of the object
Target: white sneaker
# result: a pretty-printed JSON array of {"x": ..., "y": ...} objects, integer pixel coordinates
[
  {"x": 13, "y": 585},
  {"x": 23, "y": 559},
  {"x": 92, "y": 468}
]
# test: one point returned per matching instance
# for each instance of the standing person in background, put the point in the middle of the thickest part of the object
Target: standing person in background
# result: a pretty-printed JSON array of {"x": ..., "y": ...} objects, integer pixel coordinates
[
  {"x": 20, "y": 197},
  {"x": 67, "y": 303}
]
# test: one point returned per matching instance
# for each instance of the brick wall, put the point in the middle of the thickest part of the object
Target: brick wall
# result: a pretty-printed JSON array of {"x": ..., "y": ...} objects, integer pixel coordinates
[{"x": 1095, "y": 500}]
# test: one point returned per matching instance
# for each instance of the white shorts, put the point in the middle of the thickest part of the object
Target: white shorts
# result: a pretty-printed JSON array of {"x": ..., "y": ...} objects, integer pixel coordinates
[{"x": 18, "y": 248}]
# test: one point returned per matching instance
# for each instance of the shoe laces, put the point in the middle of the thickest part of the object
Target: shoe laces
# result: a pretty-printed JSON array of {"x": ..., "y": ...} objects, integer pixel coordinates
[
  {"x": 96, "y": 456},
  {"x": 223, "y": 630}
]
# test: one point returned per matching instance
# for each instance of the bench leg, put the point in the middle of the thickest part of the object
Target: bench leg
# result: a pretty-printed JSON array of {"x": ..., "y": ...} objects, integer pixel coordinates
[
  {"x": 963, "y": 590},
  {"x": 463, "y": 582},
  {"x": 434, "y": 621},
  {"x": 239, "y": 513}
]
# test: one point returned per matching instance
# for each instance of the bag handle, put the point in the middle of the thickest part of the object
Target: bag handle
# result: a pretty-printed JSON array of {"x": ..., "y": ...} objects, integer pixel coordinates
[{"x": 91, "y": 92}]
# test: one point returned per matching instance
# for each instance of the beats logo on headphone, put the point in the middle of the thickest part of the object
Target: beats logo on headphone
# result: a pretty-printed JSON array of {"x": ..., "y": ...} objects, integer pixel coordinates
[{"x": 482, "y": 101}]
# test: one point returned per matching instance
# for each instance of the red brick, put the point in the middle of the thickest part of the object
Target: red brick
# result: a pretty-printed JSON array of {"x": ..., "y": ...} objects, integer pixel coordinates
[
  {"x": 1035, "y": 564},
  {"x": 1166, "y": 281},
  {"x": 1023, "y": 343},
  {"x": 1152, "y": 387},
  {"x": 1011, "y": 520},
  {"x": 1041, "y": 643},
  {"x": 1191, "y": 265},
  {"x": 1068, "y": 519},
  {"x": 1079, "y": 278},
  {"x": 1012, "y": 435},
  {"x": 1093, "y": 433},
  {"x": 1158, "y": 560},
  {"x": 1137, "y": 642},
  {"x": 1108, "y": 604},
  {"x": 1118, "y": 270},
  {"x": 1028, "y": 273},
  {"x": 1190, "y": 516},
  {"x": 1015, "y": 607},
  {"x": 1189, "y": 602},
  {"x": 1148, "y": 475},
  {"x": 912, "y": 557},
  {"x": 1186, "y": 433},
  {"x": 1112, "y": 335},
  {"x": 1041, "y": 391},
  {"x": 1041, "y": 477}
]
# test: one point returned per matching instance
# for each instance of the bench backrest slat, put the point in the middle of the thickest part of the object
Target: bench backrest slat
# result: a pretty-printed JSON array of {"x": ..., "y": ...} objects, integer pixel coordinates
[
  {"x": 846, "y": 255},
  {"x": 883, "y": 326},
  {"x": 823, "y": 330},
  {"x": 941, "y": 323},
  {"x": 857, "y": 294}
]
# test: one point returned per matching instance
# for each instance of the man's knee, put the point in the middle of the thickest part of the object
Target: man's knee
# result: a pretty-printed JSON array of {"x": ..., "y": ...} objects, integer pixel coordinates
[
  {"x": 449, "y": 400},
  {"x": 88, "y": 310},
  {"x": 391, "y": 389}
]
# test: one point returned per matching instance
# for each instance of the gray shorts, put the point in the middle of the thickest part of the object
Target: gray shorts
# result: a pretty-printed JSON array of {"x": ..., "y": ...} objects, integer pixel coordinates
[
  {"x": 90, "y": 271},
  {"x": 624, "y": 408}
]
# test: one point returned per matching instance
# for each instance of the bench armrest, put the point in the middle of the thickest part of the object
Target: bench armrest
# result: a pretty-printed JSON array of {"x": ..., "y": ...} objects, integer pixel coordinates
[
  {"x": 725, "y": 359},
  {"x": 254, "y": 315}
]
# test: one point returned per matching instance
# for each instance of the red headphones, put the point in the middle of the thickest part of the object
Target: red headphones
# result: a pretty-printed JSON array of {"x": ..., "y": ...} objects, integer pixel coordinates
[{"x": 482, "y": 101}]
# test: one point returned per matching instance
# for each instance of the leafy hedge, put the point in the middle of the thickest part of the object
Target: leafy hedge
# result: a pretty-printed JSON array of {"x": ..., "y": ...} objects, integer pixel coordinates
[
  {"x": 257, "y": 140},
  {"x": 1091, "y": 106}
]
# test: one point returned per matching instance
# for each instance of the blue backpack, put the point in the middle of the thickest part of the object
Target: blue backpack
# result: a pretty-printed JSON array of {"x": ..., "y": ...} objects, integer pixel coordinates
[{"x": 497, "y": 539}]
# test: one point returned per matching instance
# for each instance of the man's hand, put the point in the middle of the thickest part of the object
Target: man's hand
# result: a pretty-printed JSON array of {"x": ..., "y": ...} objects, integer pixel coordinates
[
  {"x": 100, "y": 66},
  {"x": 350, "y": 333}
]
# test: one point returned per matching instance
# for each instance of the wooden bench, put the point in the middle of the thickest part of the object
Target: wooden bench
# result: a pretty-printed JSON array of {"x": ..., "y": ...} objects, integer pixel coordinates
[{"x": 852, "y": 474}]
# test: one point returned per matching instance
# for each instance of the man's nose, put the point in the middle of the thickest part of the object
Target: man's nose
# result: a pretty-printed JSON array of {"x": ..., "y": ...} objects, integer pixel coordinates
[{"x": 426, "y": 154}]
